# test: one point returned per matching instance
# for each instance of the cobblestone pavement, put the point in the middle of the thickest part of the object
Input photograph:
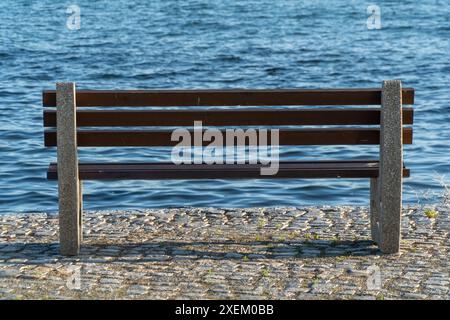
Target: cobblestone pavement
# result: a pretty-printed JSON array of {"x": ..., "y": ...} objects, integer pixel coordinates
[{"x": 204, "y": 253}]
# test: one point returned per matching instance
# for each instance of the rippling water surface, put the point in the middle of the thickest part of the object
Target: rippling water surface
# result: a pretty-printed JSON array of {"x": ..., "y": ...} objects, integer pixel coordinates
[{"x": 218, "y": 44}]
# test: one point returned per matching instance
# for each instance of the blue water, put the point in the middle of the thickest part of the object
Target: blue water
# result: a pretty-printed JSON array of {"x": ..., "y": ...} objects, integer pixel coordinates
[{"x": 218, "y": 44}]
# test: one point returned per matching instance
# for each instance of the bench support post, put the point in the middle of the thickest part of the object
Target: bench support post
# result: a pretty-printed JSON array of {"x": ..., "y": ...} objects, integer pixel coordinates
[
  {"x": 80, "y": 222},
  {"x": 69, "y": 187},
  {"x": 374, "y": 209},
  {"x": 391, "y": 167}
]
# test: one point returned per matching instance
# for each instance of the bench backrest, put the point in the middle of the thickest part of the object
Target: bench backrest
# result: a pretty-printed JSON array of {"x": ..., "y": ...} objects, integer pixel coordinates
[{"x": 361, "y": 124}]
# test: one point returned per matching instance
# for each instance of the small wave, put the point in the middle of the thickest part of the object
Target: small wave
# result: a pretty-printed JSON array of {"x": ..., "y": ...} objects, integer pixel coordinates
[
  {"x": 228, "y": 58},
  {"x": 274, "y": 71}
]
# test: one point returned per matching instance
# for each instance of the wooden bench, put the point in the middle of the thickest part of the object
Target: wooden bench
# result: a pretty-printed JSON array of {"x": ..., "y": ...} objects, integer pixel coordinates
[{"x": 383, "y": 126}]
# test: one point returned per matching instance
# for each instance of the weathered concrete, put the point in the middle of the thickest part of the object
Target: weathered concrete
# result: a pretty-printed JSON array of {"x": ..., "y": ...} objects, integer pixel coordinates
[
  {"x": 80, "y": 217},
  {"x": 205, "y": 253},
  {"x": 68, "y": 182},
  {"x": 374, "y": 210},
  {"x": 391, "y": 165}
]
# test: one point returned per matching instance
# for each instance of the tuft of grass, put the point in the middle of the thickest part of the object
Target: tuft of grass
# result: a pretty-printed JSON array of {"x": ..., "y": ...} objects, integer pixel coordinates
[
  {"x": 245, "y": 259},
  {"x": 340, "y": 258},
  {"x": 311, "y": 236},
  {"x": 278, "y": 226},
  {"x": 430, "y": 213},
  {"x": 293, "y": 234},
  {"x": 335, "y": 240},
  {"x": 265, "y": 272},
  {"x": 308, "y": 236},
  {"x": 379, "y": 297},
  {"x": 261, "y": 223},
  {"x": 314, "y": 281}
]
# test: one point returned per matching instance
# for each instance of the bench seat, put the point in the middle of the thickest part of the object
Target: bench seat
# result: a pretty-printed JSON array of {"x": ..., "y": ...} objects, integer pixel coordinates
[{"x": 161, "y": 171}]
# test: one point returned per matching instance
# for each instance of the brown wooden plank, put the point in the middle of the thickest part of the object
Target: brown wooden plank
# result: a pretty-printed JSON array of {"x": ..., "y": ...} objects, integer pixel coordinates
[
  {"x": 109, "y": 118},
  {"x": 277, "y": 97},
  {"x": 317, "y": 164},
  {"x": 149, "y": 138},
  {"x": 158, "y": 171}
]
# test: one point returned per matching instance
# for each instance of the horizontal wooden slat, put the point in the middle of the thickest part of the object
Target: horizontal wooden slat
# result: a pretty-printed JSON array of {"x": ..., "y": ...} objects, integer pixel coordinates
[
  {"x": 109, "y": 118},
  {"x": 135, "y": 98},
  {"x": 158, "y": 171},
  {"x": 148, "y": 138}
]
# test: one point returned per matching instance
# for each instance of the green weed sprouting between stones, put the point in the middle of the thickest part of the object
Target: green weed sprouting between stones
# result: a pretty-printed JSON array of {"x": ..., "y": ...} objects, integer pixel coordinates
[
  {"x": 314, "y": 280},
  {"x": 265, "y": 272},
  {"x": 294, "y": 234},
  {"x": 430, "y": 213},
  {"x": 311, "y": 236},
  {"x": 261, "y": 223},
  {"x": 335, "y": 241},
  {"x": 245, "y": 259},
  {"x": 307, "y": 236}
]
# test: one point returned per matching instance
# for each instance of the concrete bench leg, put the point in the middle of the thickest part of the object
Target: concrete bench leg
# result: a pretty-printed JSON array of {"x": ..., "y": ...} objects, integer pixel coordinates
[
  {"x": 374, "y": 209},
  {"x": 80, "y": 183},
  {"x": 68, "y": 182},
  {"x": 391, "y": 167}
]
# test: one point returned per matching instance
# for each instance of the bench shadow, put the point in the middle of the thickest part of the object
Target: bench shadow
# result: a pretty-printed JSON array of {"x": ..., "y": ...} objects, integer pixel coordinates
[{"x": 47, "y": 253}]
